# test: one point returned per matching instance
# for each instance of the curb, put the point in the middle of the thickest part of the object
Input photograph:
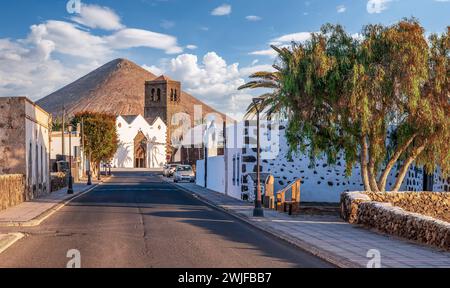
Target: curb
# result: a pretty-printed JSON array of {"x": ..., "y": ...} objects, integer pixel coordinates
[
  {"x": 11, "y": 238},
  {"x": 49, "y": 212},
  {"x": 332, "y": 258}
]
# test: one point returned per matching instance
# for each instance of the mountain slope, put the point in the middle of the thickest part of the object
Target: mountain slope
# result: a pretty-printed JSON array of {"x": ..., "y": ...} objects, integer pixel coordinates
[{"x": 117, "y": 87}]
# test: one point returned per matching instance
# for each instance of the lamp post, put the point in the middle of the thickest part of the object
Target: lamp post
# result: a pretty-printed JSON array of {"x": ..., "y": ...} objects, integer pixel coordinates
[
  {"x": 70, "y": 189},
  {"x": 258, "y": 211}
]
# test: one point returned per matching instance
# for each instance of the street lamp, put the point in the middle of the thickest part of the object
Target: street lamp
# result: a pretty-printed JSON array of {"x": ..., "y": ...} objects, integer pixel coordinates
[
  {"x": 258, "y": 211},
  {"x": 70, "y": 189}
]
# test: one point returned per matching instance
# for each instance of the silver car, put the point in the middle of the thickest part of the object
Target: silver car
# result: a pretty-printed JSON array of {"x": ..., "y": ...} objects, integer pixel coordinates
[{"x": 184, "y": 173}]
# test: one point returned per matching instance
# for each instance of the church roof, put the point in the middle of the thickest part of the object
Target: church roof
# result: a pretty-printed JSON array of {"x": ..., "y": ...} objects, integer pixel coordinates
[
  {"x": 163, "y": 78},
  {"x": 129, "y": 118}
]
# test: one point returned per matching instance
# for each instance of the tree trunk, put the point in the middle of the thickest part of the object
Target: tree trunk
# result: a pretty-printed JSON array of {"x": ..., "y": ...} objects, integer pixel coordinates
[
  {"x": 364, "y": 170},
  {"x": 392, "y": 162},
  {"x": 372, "y": 174},
  {"x": 99, "y": 171},
  {"x": 406, "y": 165}
]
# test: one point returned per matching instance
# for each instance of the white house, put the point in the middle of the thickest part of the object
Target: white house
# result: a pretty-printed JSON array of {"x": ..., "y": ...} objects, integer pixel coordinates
[{"x": 141, "y": 145}]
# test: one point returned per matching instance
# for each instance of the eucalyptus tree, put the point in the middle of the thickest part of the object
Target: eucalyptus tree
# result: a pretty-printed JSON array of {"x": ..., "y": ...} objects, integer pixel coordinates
[{"x": 382, "y": 99}]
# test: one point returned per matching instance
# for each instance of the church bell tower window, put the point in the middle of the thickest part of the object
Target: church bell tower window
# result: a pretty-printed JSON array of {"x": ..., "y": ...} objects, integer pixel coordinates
[{"x": 158, "y": 96}]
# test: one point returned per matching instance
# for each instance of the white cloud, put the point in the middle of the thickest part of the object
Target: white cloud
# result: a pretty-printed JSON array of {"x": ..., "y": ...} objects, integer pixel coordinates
[
  {"x": 94, "y": 16},
  {"x": 129, "y": 38},
  {"x": 341, "y": 9},
  {"x": 212, "y": 80},
  {"x": 247, "y": 71},
  {"x": 282, "y": 41},
  {"x": 69, "y": 40},
  {"x": 166, "y": 24},
  {"x": 253, "y": 18},
  {"x": 297, "y": 37},
  {"x": 61, "y": 52},
  {"x": 191, "y": 47},
  {"x": 153, "y": 69},
  {"x": 222, "y": 10},
  {"x": 377, "y": 6},
  {"x": 268, "y": 52},
  {"x": 26, "y": 62}
]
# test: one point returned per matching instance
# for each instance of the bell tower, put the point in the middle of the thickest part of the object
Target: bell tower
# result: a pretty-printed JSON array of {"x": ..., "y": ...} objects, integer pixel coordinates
[{"x": 163, "y": 99}]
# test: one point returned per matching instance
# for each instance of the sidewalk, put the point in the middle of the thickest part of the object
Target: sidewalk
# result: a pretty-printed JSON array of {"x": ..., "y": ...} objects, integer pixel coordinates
[
  {"x": 33, "y": 213},
  {"x": 329, "y": 237}
]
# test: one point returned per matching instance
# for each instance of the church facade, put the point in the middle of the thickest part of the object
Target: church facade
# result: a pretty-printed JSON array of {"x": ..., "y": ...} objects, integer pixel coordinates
[{"x": 141, "y": 144}]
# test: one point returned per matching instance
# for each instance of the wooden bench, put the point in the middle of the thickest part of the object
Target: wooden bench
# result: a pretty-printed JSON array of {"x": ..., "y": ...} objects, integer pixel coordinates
[{"x": 288, "y": 199}]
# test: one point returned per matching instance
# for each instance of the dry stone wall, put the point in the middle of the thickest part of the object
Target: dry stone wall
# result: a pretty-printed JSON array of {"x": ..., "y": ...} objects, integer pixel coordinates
[
  {"x": 12, "y": 190},
  {"x": 433, "y": 204},
  {"x": 364, "y": 208}
]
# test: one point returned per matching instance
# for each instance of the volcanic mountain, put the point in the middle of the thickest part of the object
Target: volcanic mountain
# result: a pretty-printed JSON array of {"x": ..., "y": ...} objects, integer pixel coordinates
[{"x": 117, "y": 87}]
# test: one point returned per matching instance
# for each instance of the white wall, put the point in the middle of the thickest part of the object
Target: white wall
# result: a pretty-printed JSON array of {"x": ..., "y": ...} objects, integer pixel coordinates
[
  {"x": 37, "y": 141},
  {"x": 200, "y": 173},
  {"x": 320, "y": 183},
  {"x": 216, "y": 174},
  {"x": 234, "y": 159}
]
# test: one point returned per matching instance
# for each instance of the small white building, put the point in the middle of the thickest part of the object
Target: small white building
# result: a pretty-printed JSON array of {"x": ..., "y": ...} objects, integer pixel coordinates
[
  {"x": 56, "y": 145},
  {"x": 78, "y": 157},
  {"x": 141, "y": 144}
]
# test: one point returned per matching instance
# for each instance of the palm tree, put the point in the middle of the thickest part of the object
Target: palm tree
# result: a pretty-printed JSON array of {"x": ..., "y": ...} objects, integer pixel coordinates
[{"x": 272, "y": 102}]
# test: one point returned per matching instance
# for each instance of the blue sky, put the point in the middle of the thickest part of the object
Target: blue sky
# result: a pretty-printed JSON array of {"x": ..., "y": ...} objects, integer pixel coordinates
[{"x": 210, "y": 45}]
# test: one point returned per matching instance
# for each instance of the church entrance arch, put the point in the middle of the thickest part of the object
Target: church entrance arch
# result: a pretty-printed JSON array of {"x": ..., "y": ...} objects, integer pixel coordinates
[{"x": 140, "y": 150}]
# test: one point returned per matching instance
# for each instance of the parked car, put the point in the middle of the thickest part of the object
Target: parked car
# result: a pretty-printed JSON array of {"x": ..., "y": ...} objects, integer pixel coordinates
[
  {"x": 184, "y": 173},
  {"x": 169, "y": 170}
]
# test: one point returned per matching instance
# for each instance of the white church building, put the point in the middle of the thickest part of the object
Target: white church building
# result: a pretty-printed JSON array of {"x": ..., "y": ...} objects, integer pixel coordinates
[{"x": 141, "y": 144}]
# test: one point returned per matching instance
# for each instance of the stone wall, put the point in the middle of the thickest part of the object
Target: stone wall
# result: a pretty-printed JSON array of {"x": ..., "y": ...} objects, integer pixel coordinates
[
  {"x": 12, "y": 190},
  {"x": 12, "y": 136},
  {"x": 363, "y": 208},
  {"x": 433, "y": 204},
  {"x": 58, "y": 181}
]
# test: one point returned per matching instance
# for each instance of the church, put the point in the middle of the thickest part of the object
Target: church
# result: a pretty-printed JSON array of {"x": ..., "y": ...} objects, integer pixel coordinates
[
  {"x": 121, "y": 87},
  {"x": 141, "y": 144},
  {"x": 145, "y": 141}
]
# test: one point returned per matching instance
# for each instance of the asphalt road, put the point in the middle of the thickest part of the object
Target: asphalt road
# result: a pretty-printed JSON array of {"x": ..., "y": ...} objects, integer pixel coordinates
[{"x": 136, "y": 220}]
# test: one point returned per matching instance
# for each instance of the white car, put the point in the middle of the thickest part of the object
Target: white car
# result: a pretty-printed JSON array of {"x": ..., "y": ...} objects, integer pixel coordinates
[
  {"x": 184, "y": 173},
  {"x": 170, "y": 169}
]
